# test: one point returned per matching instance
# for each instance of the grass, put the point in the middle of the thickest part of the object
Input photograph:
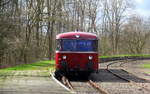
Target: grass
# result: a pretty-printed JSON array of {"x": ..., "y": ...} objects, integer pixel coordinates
[
  {"x": 125, "y": 55},
  {"x": 46, "y": 66},
  {"x": 146, "y": 65},
  {"x": 42, "y": 67}
]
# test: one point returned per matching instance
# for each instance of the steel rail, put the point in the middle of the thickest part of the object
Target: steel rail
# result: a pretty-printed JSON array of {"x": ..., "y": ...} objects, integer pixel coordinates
[
  {"x": 97, "y": 88},
  {"x": 123, "y": 78}
]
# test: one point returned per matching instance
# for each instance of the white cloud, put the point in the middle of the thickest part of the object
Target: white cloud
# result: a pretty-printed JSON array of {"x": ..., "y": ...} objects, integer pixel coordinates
[
  {"x": 139, "y": 1},
  {"x": 142, "y": 12}
]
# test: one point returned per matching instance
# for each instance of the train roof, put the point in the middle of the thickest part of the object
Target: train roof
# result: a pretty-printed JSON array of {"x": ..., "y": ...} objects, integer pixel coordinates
[{"x": 76, "y": 35}]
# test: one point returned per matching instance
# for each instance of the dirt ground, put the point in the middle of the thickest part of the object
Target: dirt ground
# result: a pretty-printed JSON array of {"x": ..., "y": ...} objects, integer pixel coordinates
[{"x": 30, "y": 85}]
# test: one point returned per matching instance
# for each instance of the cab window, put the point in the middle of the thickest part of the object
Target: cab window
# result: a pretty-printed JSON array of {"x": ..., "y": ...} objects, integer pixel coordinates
[{"x": 77, "y": 45}]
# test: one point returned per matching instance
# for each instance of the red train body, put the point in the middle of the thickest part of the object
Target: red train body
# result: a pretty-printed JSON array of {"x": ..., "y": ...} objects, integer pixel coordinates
[{"x": 76, "y": 52}]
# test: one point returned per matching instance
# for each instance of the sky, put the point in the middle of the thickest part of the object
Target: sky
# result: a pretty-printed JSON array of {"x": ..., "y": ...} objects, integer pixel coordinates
[{"x": 142, "y": 7}]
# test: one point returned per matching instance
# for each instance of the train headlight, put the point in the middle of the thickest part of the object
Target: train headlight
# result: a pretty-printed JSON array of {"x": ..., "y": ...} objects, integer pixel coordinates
[
  {"x": 90, "y": 57},
  {"x": 64, "y": 57}
]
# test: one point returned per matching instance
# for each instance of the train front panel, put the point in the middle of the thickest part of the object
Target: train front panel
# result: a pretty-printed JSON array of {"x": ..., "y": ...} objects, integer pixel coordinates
[{"x": 77, "y": 61}]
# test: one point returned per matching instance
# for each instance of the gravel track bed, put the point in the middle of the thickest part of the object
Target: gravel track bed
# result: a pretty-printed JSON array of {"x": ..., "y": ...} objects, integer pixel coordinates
[
  {"x": 111, "y": 83},
  {"x": 122, "y": 88},
  {"x": 124, "y": 74},
  {"x": 84, "y": 88},
  {"x": 115, "y": 85},
  {"x": 105, "y": 76}
]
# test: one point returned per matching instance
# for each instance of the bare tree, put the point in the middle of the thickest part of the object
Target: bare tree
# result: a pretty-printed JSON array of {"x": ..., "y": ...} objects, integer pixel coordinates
[
  {"x": 113, "y": 18},
  {"x": 136, "y": 34},
  {"x": 28, "y": 27}
]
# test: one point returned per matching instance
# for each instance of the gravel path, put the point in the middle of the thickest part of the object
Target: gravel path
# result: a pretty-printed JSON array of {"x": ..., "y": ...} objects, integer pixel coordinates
[{"x": 30, "y": 85}]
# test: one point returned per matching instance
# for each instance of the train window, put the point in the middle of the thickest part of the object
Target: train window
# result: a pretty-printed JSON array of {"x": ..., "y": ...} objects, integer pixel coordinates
[
  {"x": 69, "y": 45},
  {"x": 58, "y": 45},
  {"x": 86, "y": 45},
  {"x": 79, "y": 45}
]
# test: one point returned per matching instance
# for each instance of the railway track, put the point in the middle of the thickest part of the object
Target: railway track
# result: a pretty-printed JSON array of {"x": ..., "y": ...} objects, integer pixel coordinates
[
  {"x": 125, "y": 82},
  {"x": 86, "y": 87},
  {"x": 126, "y": 76}
]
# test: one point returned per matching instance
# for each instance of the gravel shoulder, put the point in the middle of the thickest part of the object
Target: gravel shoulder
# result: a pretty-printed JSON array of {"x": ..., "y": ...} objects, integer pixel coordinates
[{"x": 31, "y": 83}]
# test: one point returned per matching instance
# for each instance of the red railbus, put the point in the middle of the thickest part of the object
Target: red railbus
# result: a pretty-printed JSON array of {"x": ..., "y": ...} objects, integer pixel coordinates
[{"x": 76, "y": 52}]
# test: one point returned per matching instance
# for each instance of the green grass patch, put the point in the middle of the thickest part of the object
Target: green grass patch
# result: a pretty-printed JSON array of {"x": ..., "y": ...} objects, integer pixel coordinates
[
  {"x": 146, "y": 65},
  {"x": 41, "y": 68},
  {"x": 141, "y": 55},
  {"x": 41, "y": 65}
]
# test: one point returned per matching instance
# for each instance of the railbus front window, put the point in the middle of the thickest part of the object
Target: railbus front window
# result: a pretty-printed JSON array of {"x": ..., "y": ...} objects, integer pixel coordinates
[
  {"x": 78, "y": 45},
  {"x": 69, "y": 45}
]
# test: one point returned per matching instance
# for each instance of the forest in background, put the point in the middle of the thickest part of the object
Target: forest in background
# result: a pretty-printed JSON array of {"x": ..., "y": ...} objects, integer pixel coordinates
[{"x": 28, "y": 27}]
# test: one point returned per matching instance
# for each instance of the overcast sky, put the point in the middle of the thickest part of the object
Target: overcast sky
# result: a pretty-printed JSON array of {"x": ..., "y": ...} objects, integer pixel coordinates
[{"x": 143, "y": 7}]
